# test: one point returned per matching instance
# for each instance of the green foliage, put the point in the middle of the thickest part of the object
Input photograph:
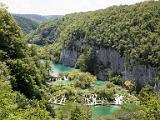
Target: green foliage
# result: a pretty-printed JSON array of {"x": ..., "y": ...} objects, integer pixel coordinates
[
  {"x": 28, "y": 76},
  {"x": 116, "y": 80},
  {"x": 83, "y": 80},
  {"x": 132, "y": 30},
  {"x": 107, "y": 92},
  {"x": 73, "y": 112},
  {"x": 11, "y": 38},
  {"x": 13, "y": 105},
  {"x": 151, "y": 110},
  {"x": 148, "y": 109},
  {"x": 129, "y": 85},
  {"x": 146, "y": 93},
  {"x": 27, "y": 25},
  {"x": 39, "y": 18},
  {"x": 151, "y": 104},
  {"x": 84, "y": 60},
  {"x": 4, "y": 71},
  {"x": 20, "y": 70},
  {"x": 76, "y": 114},
  {"x": 11, "y": 110},
  {"x": 52, "y": 52},
  {"x": 45, "y": 34}
]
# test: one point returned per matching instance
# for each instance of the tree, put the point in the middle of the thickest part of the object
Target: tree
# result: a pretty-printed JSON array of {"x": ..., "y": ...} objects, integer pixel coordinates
[
  {"x": 73, "y": 111},
  {"x": 129, "y": 85},
  {"x": 84, "y": 60},
  {"x": 150, "y": 102},
  {"x": 76, "y": 114},
  {"x": 82, "y": 79},
  {"x": 19, "y": 75},
  {"x": 11, "y": 38},
  {"x": 116, "y": 80},
  {"x": 146, "y": 94}
]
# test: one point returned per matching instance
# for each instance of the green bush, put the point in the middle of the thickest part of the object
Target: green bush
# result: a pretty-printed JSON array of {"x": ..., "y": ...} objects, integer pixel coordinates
[{"x": 82, "y": 79}]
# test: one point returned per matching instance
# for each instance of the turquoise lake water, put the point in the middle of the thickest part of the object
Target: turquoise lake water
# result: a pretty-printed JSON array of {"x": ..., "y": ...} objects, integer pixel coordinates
[
  {"x": 62, "y": 68},
  {"x": 104, "y": 111},
  {"x": 97, "y": 111}
]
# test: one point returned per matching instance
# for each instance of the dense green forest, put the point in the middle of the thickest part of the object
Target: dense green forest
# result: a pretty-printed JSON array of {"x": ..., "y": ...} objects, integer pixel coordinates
[
  {"x": 30, "y": 22},
  {"x": 24, "y": 93},
  {"x": 21, "y": 78},
  {"x": 27, "y": 25},
  {"x": 131, "y": 30},
  {"x": 39, "y": 18},
  {"x": 24, "y": 70}
]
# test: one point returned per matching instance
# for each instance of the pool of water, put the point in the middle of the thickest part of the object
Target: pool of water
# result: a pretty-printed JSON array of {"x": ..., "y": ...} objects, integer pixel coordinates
[
  {"x": 61, "y": 68},
  {"x": 104, "y": 111},
  {"x": 100, "y": 83}
]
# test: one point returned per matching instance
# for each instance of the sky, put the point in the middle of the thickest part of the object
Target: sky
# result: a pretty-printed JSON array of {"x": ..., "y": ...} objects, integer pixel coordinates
[{"x": 60, "y": 7}]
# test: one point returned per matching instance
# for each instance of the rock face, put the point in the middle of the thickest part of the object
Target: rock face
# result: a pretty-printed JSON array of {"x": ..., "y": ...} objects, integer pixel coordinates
[
  {"x": 68, "y": 57},
  {"x": 110, "y": 60},
  {"x": 107, "y": 59},
  {"x": 142, "y": 73}
]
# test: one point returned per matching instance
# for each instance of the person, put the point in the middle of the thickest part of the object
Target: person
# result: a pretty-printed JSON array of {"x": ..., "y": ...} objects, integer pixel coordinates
[
  {"x": 94, "y": 96},
  {"x": 85, "y": 99}
]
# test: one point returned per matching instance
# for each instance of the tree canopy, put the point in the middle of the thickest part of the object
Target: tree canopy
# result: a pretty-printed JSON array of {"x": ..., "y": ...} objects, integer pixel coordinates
[{"x": 131, "y": 30}]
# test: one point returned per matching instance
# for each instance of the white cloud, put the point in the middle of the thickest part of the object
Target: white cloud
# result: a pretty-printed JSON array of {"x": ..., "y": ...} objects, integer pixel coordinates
[{"x": 61, "y": 6}]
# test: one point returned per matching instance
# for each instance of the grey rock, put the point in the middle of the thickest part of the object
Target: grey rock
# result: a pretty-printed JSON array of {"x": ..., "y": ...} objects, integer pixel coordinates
[
  {"x": 106, "y": 59},
  {"x": 68, "y": 57}
]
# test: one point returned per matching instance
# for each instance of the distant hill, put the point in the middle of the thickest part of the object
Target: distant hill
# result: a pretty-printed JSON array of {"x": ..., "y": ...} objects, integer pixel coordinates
[
  {"x": 27, "y": 25},
  {"x": 39, "y": 18},
  {"x": 49, "y": 17},
  {"x": 29, "y": 22}
]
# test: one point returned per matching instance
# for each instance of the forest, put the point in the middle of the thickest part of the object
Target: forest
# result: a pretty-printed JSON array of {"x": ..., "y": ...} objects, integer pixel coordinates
[
  {"x": 29, "y": 90},
  {"x": 131, "y": 30}
]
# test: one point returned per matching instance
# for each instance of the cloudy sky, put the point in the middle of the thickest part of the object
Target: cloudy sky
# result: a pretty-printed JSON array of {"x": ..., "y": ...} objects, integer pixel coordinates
[{"x": 60, "y": 7}]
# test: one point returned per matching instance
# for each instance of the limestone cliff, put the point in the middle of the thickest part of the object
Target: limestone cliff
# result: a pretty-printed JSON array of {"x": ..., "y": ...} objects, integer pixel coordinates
[{"x": 106, "y": 59}]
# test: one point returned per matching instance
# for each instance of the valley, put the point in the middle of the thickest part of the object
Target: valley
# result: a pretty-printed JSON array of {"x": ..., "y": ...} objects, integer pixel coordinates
[{"x": 96, "y": 65}]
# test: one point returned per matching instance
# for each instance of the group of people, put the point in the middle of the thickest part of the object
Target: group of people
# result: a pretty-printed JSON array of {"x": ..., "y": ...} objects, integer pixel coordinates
[
  {"x": 91, "y": 100},
  {"x": 118, "y": 100},
  {"x": 88, "y": 100},
  {"x": 60, "y": 100},
  {"x": 54, "y": 79}
]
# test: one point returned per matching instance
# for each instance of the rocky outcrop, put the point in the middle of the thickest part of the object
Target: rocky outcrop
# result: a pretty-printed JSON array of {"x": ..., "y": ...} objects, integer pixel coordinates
[
  {"x": 110, "y": 60},
  {"x": 68, "y": 57},
  {"x": 105, "y": 60},
  {"x": 141, "y": 73}
]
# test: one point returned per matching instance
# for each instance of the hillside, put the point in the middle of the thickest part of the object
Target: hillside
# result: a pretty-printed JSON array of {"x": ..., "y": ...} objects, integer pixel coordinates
[
  {"x": 20, "y": 77},
  {"x": 39, "y": 18},
  {"x": 116, "y": 51},
  {"x": 27, "y": 25},
  {"x": 123, "y": 39}
]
